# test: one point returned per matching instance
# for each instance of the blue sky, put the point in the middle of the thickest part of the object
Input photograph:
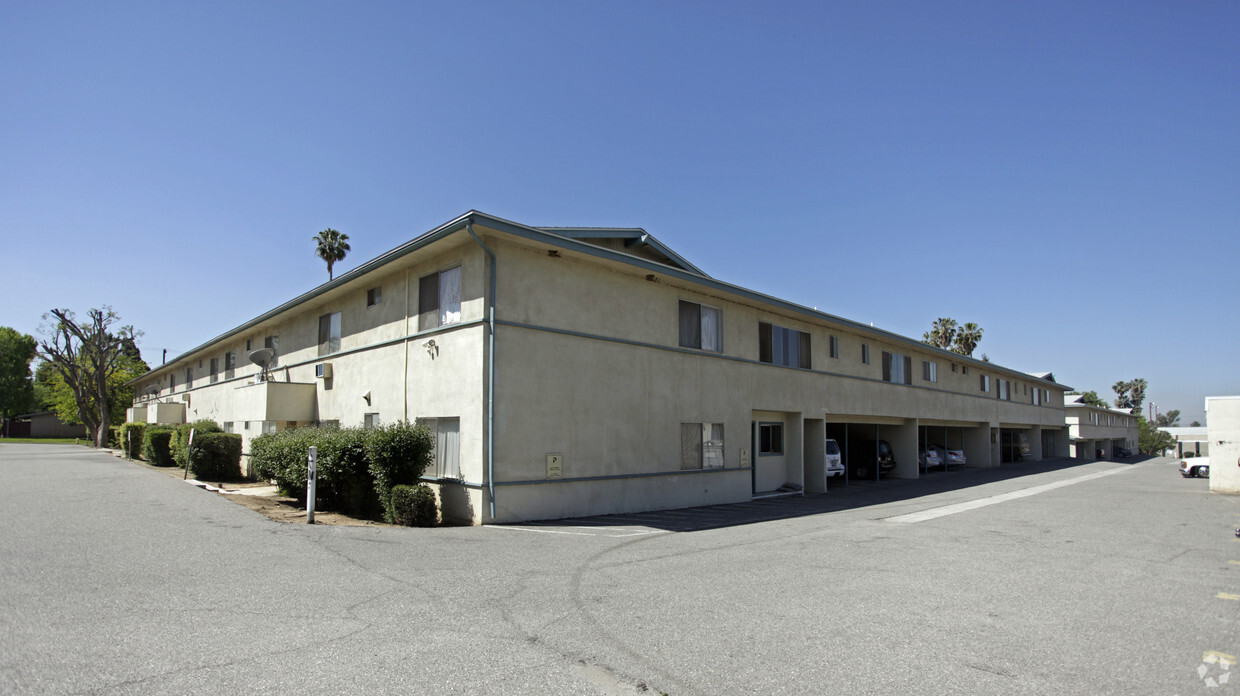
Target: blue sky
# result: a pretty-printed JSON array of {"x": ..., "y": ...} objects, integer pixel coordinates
[{"x": 1067, "y": 175}]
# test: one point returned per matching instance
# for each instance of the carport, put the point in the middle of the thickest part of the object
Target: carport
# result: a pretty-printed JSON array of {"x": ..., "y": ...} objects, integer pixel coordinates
[
  {"x": 947, "y": 434},
  {"x": 855, "y": 432}
]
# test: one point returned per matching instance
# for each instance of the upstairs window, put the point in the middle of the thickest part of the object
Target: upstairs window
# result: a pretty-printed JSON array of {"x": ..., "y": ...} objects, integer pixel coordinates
[
  {"x": 985, "y": 382},
  {"x": 329, "y": 333},
  {"x": 1005, "y": 390},
  {"x": 834, "y": 343},
  {"x": 780, "y": 346},
  {"x": 701, "y": 327},
  {"x": 189, "y": 377},
  {"x": 374, "y": 296},
  {"x": 439, "y": 299},
  {"x": 1037, "y": 397},
  {"x": 865, "y": 353},
  {"x": 230, "y": 364},
  {"x": 929, "y": 371},
  {"x": 897, "y": 368},
  {"x": 273, "y": 342},
  {"x": 215, "y": 368}
]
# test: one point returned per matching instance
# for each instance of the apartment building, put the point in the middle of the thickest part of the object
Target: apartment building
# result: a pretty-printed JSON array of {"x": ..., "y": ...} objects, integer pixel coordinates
[
  {"x": 1096, "y": 432},
  {"x": 575, "y": 371}
]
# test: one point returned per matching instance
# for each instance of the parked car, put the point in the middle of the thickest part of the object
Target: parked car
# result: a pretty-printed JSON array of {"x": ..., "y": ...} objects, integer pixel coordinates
[
  {"x": 929, "y": 459},
  {"x": 1122, "y": 452},
  {"x": 835, "y": 464},
  {"x": 1195, "y": 467},
  {"x": 950, "y": 457},
  {"x": 865, "y": 455}
]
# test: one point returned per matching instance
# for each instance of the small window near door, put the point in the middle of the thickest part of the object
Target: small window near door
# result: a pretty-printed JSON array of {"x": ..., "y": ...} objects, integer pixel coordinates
[
  {"x": 770, "y": 439},
  {"x": 701, "y": 445}
]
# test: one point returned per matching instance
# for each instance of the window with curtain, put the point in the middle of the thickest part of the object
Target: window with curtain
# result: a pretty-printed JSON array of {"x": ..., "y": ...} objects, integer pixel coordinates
[
  {"x": 897, "y": 368},
  {"x": 781, "y": 346},
  {"x": 329, "y": 333},
  {"x": 701, "y": 445},
  {"x": 447, "y": 446},
  {"x": 701, "y": 327},
  {"x": 273, "y": 342},
  {"x": 929, "y": 371},
  {"x": 439, "y": 299}
]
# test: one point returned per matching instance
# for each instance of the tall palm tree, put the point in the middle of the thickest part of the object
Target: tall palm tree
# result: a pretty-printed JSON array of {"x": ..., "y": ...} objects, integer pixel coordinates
[
  {"x": 332, "y": 246},
  {"x": 941, "y": 334},
  {"x": 967, "y": 339}
]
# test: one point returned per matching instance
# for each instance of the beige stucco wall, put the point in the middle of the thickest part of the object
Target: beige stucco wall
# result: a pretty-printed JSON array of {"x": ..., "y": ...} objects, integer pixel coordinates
[{"x": 1223, "y": 431}]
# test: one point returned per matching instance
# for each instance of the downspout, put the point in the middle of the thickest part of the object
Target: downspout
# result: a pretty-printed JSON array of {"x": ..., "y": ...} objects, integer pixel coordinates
[
  {"x": 405, "y": 383},
  {"x": 469, "y": 227}
]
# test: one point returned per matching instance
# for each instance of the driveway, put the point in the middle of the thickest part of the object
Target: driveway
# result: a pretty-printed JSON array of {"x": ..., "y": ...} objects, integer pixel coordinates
[{"x": 1091, "y": 578}]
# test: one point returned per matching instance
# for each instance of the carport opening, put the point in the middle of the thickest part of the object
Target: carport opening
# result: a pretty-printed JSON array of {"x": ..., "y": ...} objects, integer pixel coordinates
[
  {"x": 939, "y": 439},
  {"x": 865, "y": 451}
]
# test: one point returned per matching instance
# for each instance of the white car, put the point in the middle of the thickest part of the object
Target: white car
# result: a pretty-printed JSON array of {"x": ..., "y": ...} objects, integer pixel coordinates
[
  {"x": 929, "y": 459},
  {"x": 950, "y": 457},
  {"x": 835, "y": 463},
  {"x": 1195, "y": 467}
]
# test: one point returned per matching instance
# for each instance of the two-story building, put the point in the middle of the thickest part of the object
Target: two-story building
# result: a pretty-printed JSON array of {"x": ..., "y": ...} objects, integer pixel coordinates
[
  {"x": 583, "y": 371},
  {"x": 1095, "y": 432}
]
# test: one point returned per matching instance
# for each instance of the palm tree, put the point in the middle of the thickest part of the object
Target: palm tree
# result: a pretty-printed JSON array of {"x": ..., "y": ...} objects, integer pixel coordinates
[
  {"x": 967, "y": 339},
  {"x": 941, "y": 334},
  {"x": 332, "y": 246}
]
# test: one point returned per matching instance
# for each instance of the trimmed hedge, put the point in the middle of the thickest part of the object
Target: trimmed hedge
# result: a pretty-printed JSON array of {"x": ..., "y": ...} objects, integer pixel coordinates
[
  {"x": 155, "y": 446},
  {"x": 215, "y": 456},
  {"x": 414, "y": 506},
  {"x": 356, "y": 467},
  {"x": 114, "y": 437},
  {"x": 180, "y": 437},
  {"x": 130, "y": 439}
]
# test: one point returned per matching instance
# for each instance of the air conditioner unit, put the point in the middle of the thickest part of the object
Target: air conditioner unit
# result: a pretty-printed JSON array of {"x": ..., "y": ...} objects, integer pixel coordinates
[{"x": 323, "y": 370}]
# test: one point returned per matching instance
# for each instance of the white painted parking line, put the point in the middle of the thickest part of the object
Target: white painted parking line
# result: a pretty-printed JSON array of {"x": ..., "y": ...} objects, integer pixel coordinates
[
  {"x": 943, "y": 511},
  {"x": 619, "y": 532}
]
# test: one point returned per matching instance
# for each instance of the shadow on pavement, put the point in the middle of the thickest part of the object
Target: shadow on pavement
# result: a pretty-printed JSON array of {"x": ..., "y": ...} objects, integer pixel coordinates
[{"x": 839, "y": 497}]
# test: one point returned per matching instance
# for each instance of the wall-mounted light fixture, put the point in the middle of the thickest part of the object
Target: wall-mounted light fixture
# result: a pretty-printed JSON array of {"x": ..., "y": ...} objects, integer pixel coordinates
[{"x": 432, "y": 348}]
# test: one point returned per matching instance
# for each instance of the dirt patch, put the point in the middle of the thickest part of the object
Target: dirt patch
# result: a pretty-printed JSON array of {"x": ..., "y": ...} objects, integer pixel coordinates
[{"x": 273, "y": 506}]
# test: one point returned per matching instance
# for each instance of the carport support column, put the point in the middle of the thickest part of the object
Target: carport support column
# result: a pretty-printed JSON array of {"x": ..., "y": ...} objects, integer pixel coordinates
[
  {"x": 903, "y": 441},
  {"x": 815, "y": 455},
  {"x": 1035, "y": 444},
  {"x": 976, "y": 445}
]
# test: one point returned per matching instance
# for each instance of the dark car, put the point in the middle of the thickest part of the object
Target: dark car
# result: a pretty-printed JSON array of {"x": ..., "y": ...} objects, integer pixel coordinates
[
  {"x": 1122, "y": 452},
  {"x": 865, "y": 455}
]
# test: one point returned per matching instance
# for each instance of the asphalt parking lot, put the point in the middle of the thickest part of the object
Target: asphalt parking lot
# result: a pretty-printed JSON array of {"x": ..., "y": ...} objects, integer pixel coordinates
[{"x": 1058, "y": 578}]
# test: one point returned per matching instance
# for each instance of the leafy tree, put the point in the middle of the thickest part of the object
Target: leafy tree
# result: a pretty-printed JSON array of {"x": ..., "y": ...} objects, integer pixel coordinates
[
  {"x": 92, "y": 360},
  {"x": 967, "y": 339},
  {"x": 1151, "y": 440},
  {"x": 1195, "y": 424},
  {"x": 1091, "y": 398},
  {"x": 1170, "y": 419},
  {"x": 331, "y": 247},
  {"x": 16, "y": 388},
  {"x": 942, "y": 334},
  {"x": 1130, "y": 395}
]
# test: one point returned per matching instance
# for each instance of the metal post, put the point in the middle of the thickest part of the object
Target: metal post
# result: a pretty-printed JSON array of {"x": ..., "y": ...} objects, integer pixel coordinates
[
  {"x": 189, "y": 449},
  {"x": 310, "y": 485}
]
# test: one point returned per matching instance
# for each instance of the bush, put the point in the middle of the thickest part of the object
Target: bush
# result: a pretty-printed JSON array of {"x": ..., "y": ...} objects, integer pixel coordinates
[
  {"x": 114, "y": 437},
  {"x": 180, "y": 437},
  {"x": 215, "y": 456},
  {"x": 155, "y": 446},
  {"x": 130, "y": 439},
  {"x": 398, "y": 454},
  {"x": 414, "y": 506}
]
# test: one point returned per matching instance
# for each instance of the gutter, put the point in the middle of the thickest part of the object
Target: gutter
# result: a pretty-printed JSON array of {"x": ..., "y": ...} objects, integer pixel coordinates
[{"x": 469, "y": 227}]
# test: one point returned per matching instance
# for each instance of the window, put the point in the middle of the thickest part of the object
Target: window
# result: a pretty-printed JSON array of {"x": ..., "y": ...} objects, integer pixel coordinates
[
  {"x": 374, "y": 296},
  {"x": 701, "y": 327},
  {"x": 964, "y": 369},
  {"x": 189, "y": 377},
  {"x": 329, "y": 333},
  {"x": 701, "y": 445},
  {"x": 897, "y": 368},
  {"x": 172, "y": 382},
  {"x": 835, "y": 346},
  {"x": 1005, "y": 390},
  {"x": 985, "y": 380},
  {"x": 273, "y": 342},
  {"x": 1037, "y": 397},
  {"x": 227, "y": 426},
  {"x": 770, "y": 439},
  {"x": 929, "y": 371},
  {"x": 1046, "y": 396},
  {"x": 780, "y": 346},
  {"x": 865, "y": 353},
  {"x": 370, "y": 420},
  {"x": 249, "y": 344},
  {"x": 955, "y": 367},
  {"x": 215, "y": 368},
  {"x": 447, "y": 446},
  {"x": 439, "y": 299},
  {"x": 230, "y": 364}
]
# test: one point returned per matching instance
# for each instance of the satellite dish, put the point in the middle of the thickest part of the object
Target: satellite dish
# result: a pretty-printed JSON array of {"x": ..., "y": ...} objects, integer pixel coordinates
[
  {"x": 263, "y": 357},
  {"x": 152, "y": 391}
]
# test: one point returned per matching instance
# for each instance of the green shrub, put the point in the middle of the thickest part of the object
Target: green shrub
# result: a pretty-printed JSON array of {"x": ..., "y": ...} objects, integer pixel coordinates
[
  {"x": 114, "y": 437},
  {"x": 130, "y": 439},
  {"x": 398, "y": 453},
  {"x": 215, "y": 456},
  {"x": 155, "y": 446},
  {"x": 343, "y": 481},
  {"x": 414, "y": 506},
  {"x": 180, "y": 437}
]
